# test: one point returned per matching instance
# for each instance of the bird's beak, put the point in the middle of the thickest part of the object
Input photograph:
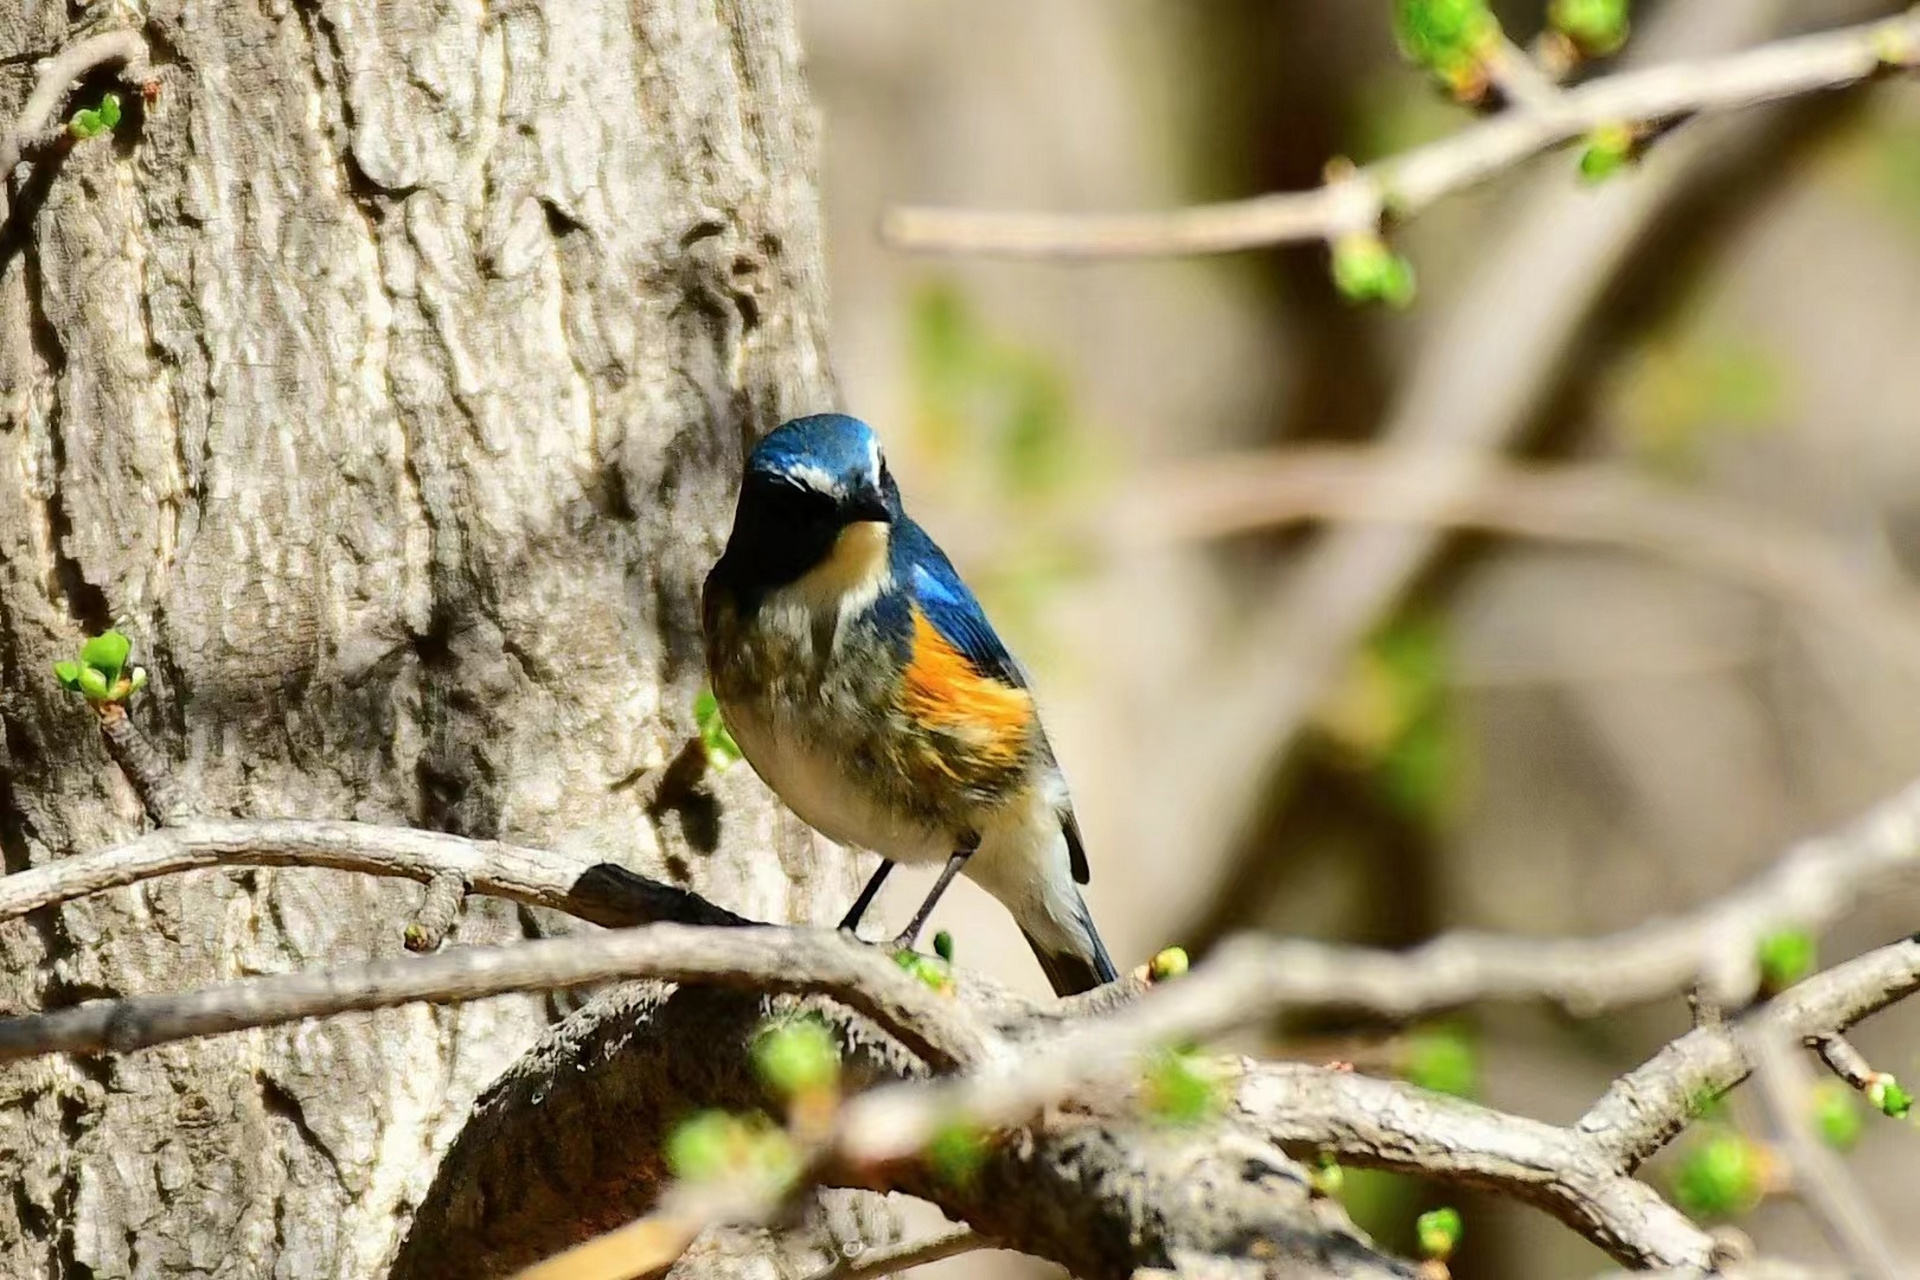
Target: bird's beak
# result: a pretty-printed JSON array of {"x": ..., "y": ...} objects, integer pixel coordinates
[{"x": 871, "y": 505}]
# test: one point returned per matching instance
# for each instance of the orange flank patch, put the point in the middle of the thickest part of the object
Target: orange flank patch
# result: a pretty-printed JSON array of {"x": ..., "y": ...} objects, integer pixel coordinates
[{"x": 941, "y": 690}]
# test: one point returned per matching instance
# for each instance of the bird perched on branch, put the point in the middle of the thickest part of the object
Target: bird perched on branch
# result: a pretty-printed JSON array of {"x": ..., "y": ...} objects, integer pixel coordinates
[{"x": 867, "y": 688}]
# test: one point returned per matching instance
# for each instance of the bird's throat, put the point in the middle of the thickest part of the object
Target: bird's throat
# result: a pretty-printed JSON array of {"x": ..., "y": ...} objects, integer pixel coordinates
[{"x": 852, "y": 573}]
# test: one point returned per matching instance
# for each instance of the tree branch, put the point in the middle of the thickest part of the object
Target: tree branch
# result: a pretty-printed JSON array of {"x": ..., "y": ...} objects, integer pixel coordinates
[
  {"x": 1384, "y": 1124},
  {"x": 600, "y": 892},
  {"x": 1592, "y": 504},
  {"x": 165, "y": 801},
  {"x": 1642, "y": 1110},
  {"x": 1819, "y": 1177},
  {"x": 1405, "y": 185},
  {"x": 888, "y": 1259},
  {"x": 1083, "y": 1047},
  {"x": 748, "y": 958},
  {"x": 56, "y": 75}
]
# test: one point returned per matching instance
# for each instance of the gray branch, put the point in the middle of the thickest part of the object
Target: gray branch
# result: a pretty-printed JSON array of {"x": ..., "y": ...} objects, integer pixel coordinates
[
  {"x": 1410, "y": 183},
  {"x": 56, "y": 75},
  {"x": 753, "y": 959}
]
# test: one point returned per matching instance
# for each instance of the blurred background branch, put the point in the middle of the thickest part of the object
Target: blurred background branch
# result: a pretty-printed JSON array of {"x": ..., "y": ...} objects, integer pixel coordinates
[
  {"x": 1389, "y": 727},
  {"x": 1403, "y": 186}
]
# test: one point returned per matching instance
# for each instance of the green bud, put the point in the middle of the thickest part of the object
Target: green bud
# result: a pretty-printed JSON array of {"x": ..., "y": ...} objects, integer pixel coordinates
[
  {"x": 1597, "y": 27},
  {"x": 68, "y": 674},
  {"x": 1441, "y": 1058},
  {"x": 137, "y": 679},
  {"x": 1836, "y": 1115},
  {"x": 1609, "y": 149},
  {"x": 710, "y": 1145},
  {"x": 1366, "y": 270},
  {"x": 943, "y": 945},
  {"x": 1439, "y": 1233},
  {"x": 1885, "y": 1093},
  {"x": 1721, "y": 1176},
  {"x": 1450, "y": 38},
  {"x": 931, "y": 970},
  {"x": 109, "y": 111},
  {"x": 956, "y": 1151},
  {"x": 1178, "y": 1089},
  {"x": 1786, "y": 956},
  {"x": 722, "y": 751},
  {"x": 93, "y": 685},
  {"x": 797, "y": 1056},
  {"x": 1326, "y": 1178},
  {"x": 1168, "y": 963},
  {"x": 701, "y": 1148},
  {"x": 1894, "y": 48},
  {"x": 107, "y": 654}
]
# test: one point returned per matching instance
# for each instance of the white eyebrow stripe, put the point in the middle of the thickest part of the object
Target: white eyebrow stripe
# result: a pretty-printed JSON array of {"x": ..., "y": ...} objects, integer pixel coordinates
[{"x": 813, "y": 478}]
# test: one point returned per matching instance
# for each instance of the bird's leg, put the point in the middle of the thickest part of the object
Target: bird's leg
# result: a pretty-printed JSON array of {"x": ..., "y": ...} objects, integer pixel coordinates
[
  {"x": 911, "y": 934},
  {"x": 851, "y": 921}
]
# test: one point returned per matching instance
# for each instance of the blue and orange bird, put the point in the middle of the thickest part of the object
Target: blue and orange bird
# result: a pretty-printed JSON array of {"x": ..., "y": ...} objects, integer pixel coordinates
[{"x": 865, "y": 685}]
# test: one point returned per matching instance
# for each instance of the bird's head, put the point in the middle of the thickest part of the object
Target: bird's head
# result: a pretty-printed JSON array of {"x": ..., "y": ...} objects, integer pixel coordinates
[{"x": 816, "y": 499}]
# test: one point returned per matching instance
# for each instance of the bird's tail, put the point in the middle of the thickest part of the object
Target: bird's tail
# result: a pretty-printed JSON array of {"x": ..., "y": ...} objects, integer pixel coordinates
[{"x": 1080, "y": 967}]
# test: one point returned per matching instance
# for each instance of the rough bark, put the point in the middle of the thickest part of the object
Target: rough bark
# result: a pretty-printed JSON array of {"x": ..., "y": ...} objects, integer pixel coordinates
[
  {"x": 385, "y": 378},
  {"x": 566, "y": 1145}
]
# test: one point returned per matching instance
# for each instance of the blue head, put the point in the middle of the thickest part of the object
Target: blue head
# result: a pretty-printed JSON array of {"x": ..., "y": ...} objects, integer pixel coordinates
[{"x": 806, "y": 483}]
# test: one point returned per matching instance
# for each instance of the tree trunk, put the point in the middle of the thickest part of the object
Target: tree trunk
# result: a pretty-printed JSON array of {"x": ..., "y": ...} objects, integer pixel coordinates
[{"x": 386, "y": 378}]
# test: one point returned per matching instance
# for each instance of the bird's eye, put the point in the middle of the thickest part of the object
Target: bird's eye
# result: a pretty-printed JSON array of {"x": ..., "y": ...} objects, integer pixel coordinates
[{"x": 794, "y": 504}]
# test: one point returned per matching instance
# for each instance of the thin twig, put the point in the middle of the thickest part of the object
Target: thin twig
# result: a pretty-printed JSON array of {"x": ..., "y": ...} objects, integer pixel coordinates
[
  {"x": 1843, "y": 1059},
  {"x": 439, "y": 905},
  {"x": 1242, "y": 983},
  {"x": 1819, "y": 1177},
  {"x": 887, "y": 1259},
  {"x": 145, "y": 768},
  {"x": 1642, "y": 1110},
  {"x": 1407, "y": 184},
  {"x": 1496, "y": 349},
  {"x": 1522, "y": 81},
  {"x": 57, "y": 74},
  {"x": 578, "y": 884},
  {"x": 762, "y": 959},
  {"x": 1812, "y": 884},
  {"x": 651, "y": 1244},
  {"x": 1384, "y": 1124},
  {"x": 1590, "y": 504}
]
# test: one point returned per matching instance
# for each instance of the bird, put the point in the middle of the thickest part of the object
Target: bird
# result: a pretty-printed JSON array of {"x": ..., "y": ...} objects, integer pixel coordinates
[{"x": 864, "y": 684}]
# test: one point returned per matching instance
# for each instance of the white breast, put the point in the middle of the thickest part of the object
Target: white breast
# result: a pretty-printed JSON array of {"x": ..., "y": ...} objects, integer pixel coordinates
[{"x": 823, "y": 788}]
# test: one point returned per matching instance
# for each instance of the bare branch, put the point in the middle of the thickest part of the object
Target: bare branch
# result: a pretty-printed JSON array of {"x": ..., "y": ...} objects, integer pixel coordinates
[
  {"x": 1642, "y": 1110},
  {"x": 1717, "y": 945},
  {"x": 1592, "y": 504},
  {"x": 1522, "y": 81},
  {"x": 912, "y": 1253},
  {"x": 1811, "y": 885},
  {"x": 1843, "y": 1059},
  {"x": 1388, "y": 1125},
  {"x": 601, "y": 892},
  {"x": 651, "y": 1244},
  {"x": 438, "y": 908},
  {"x": 747, "y": 958},
  {"x": 1819, "y": 1177},
  {"x": 1495, "y": 351},
  {"x": 1579, "y": 1174},
  {"x": 1407, "y": 184},
  {"x": 145, "y": 768},
  {"x": 57, "y": 75}
]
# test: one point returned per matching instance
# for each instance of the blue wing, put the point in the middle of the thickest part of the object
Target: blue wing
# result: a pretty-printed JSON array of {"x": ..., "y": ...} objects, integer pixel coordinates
[
  {"x": 935, "y": 584},
  {"x": 955, "y": 613}
]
